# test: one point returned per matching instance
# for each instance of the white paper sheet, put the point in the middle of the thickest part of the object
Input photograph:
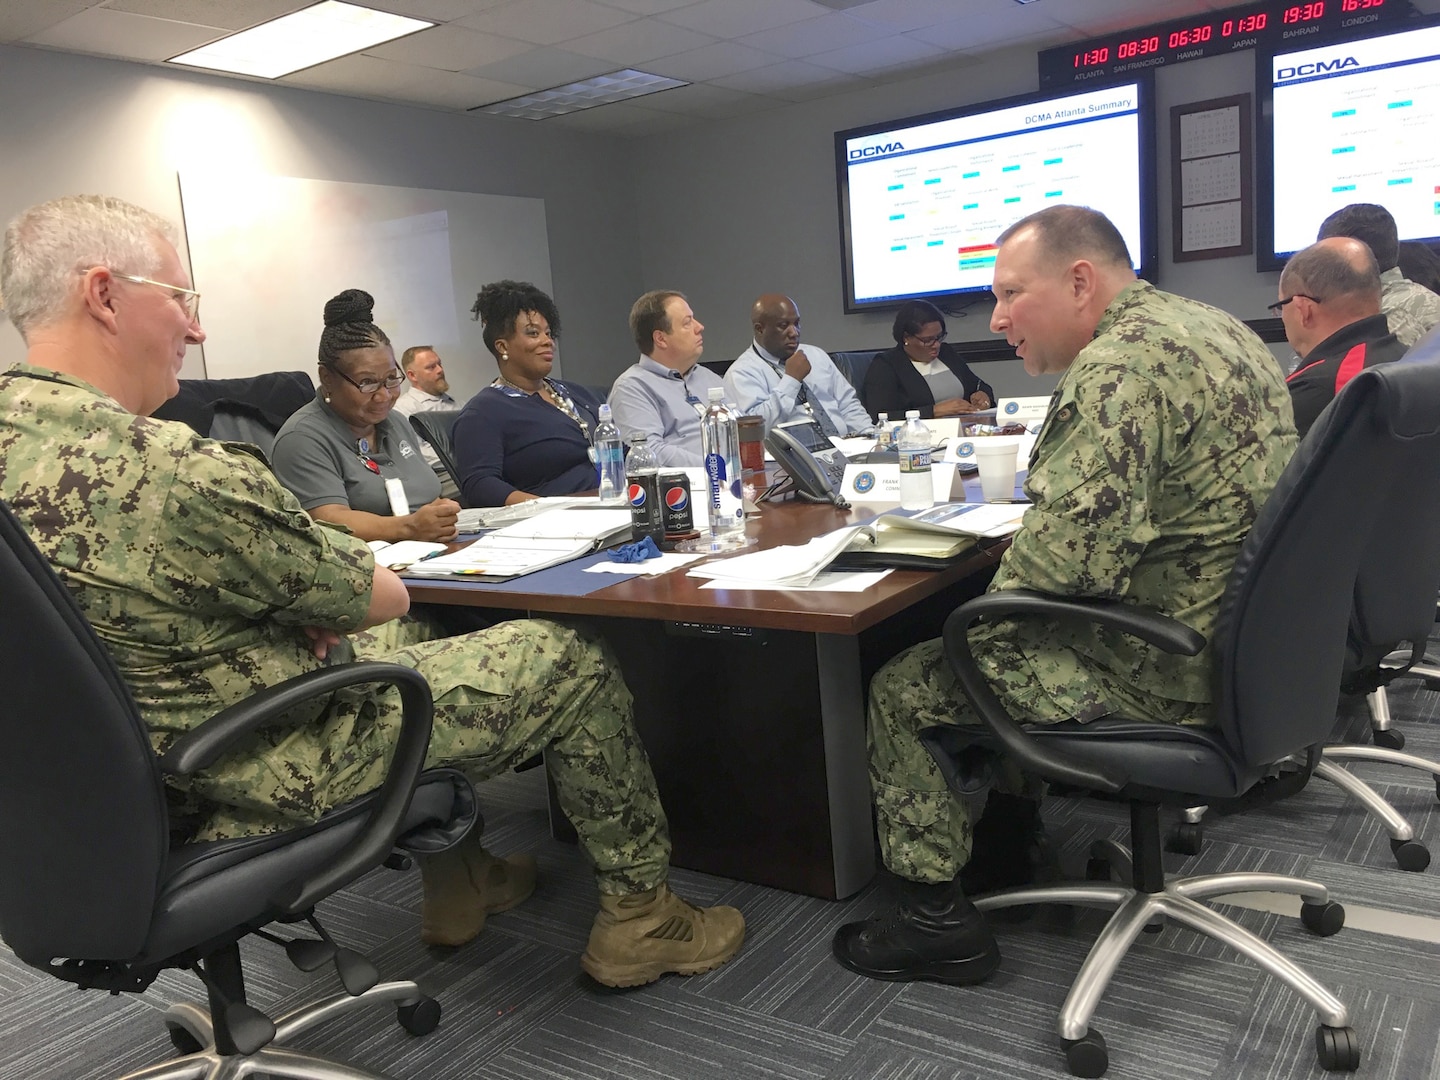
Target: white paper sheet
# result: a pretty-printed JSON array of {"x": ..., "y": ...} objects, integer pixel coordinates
[{"x": 828, "y": 581}]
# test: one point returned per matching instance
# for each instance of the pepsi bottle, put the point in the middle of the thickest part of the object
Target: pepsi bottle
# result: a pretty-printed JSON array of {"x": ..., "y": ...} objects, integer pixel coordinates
[{"x": 642, "y": 481}]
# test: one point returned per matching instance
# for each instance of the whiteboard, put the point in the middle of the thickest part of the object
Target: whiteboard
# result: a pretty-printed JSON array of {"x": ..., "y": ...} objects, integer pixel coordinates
[{"x": 266, "y": 252}]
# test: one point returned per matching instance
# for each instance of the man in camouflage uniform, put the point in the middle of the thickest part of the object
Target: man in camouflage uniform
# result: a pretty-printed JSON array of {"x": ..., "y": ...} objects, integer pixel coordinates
[
  {"x": 208, "y": 582},
  {"x": 1410, "y": 309},
  {"x": 1167, "y": 431}
]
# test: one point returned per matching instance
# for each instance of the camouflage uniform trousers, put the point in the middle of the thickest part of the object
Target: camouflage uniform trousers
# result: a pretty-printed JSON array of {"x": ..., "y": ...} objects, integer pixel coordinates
[
  {"x": 521, "y": 688},
  {"x": 924, "y": 828}
]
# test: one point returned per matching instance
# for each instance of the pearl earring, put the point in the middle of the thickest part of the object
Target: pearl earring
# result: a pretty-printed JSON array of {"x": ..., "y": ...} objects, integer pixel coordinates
[{"x": 327, "y": 399}]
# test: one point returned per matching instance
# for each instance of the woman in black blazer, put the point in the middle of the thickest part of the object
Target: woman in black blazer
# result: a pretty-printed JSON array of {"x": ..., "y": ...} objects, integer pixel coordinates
[{"x": 907, "y": 376}]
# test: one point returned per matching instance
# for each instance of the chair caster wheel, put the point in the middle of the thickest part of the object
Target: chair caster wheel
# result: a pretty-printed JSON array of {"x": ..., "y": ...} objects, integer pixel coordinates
[
  {"x": 182, "y": 1040},
  {"x": 1323, "y": 919},
  {"x": 1087, "y": 1056},
  {"x": 1437, "y": 787},
  {"x": 1186, "y": 838},
  {"x": 1337, "y": 1048},
  {"x": 420, "y": 1018},
  {"x": 1389, "y": 738},
  {"x": 1410, "y": 854}
]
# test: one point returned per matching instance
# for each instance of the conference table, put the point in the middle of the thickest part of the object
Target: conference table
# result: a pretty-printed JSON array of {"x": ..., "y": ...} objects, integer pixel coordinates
[{"x": 751, "y": 703}]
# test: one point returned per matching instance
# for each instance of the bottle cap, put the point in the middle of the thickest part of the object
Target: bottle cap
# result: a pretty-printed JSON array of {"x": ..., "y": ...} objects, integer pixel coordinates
[
  {"x": 717, "y": 393},
  {"x": 912, "y": 414},
  {"x": 605, "y": 411}
]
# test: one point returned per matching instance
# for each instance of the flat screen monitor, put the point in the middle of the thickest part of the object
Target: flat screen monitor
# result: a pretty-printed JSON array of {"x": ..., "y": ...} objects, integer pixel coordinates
[
  {"x": 923, "y": 199},
  {"x": 1345, "y": 122}
]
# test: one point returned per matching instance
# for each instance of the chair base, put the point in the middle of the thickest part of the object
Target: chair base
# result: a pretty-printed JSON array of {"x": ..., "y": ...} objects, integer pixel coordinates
[
  {"x": 187, "y": 1022},
  {"x": 1180, "y": 901}
]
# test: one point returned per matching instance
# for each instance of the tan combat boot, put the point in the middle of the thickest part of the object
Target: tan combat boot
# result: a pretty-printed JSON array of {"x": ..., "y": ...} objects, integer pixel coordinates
[
  {"x": 638, "y": 938},
  {"x": 464, "y": 885}
]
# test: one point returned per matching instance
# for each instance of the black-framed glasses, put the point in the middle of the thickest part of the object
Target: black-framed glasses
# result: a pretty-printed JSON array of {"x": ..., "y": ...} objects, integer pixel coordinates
[
  {"x": 928, "y": 342},
  {"x": 1274, "y": 308},
  {"x": 372, "y": 386}
]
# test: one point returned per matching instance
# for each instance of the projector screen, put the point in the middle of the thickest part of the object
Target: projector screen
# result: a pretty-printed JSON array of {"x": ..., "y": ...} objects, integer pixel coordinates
[
  {"x": 1349, "y": 122},
  {"x": 923, "y": 199}
]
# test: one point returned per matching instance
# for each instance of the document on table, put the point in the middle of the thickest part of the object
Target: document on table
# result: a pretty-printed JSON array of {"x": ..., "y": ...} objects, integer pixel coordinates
[
  {"x": 548, "y": 539},
  {"x": 789, "y": 566},
  {"x": 846, "y": 581}
]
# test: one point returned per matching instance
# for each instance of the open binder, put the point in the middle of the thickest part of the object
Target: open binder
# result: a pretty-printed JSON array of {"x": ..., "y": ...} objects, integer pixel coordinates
[{"x": 545, "y": 540}]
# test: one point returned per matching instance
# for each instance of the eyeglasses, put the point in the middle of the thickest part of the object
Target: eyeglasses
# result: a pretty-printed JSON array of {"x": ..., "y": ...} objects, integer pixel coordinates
[
  {"x": 1274, "y": 308},
  {"x": 930, "y": 341},
  {"x": 371, "y": 386},
  {"x": 188, "y": 299}
]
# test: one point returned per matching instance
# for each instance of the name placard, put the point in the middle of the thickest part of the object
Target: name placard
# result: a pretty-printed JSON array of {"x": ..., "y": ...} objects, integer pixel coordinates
[{"x": 881, "y": 483}]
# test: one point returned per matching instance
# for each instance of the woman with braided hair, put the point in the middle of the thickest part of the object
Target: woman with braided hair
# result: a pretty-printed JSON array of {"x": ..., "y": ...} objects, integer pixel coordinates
[
  {"x": 526, "y": 434},
  {"x": 346, "y": 458}
]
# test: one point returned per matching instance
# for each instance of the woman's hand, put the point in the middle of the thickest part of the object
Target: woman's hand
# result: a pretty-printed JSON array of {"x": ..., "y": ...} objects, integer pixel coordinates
[
  {"x": 956, "y": 406},
  {"x": 981, "y": 400},
  {"x": 436, "y": 521}
]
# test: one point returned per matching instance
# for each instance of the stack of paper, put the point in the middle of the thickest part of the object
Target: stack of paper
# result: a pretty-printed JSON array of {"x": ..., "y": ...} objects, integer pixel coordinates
[
  {"x": 403, "y": 552},
  {"x": 794, "y": 565},
  {"x": 547, "y": 539}
]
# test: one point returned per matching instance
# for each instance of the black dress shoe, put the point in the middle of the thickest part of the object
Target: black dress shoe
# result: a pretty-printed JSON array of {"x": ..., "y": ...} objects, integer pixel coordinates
[{"x": 933, "y": 933}]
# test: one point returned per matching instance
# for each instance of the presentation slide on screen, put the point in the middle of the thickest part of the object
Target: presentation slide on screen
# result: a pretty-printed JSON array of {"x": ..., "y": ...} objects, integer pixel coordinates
[
  {"x": 1356, "y": 123},
  {"x": 926, "y": 203}
]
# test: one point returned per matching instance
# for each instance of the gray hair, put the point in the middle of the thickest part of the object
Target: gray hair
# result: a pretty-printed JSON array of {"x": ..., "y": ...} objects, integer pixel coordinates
[{"x": 47, "y": 246}]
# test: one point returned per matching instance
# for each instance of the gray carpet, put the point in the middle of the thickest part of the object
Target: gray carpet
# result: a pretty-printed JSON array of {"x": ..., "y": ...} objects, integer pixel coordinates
[{"x": 518, "y": 1008}]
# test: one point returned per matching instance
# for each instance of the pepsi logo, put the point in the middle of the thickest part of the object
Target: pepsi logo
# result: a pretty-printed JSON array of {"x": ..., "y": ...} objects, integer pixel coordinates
[
  {"x": 677, "y": 498},
  {"x": 637, "y": 495}
]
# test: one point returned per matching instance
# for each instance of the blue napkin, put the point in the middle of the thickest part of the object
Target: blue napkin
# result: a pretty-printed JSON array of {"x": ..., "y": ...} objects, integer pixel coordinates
[{"x": 637, "y": 552}]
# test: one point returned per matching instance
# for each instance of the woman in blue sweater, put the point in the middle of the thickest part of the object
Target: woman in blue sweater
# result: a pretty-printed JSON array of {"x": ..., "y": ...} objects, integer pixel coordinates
[{"x": 526, "y": 434}]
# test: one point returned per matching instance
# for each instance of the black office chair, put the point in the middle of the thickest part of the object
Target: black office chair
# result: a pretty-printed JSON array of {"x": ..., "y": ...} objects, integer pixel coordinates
[
  {"x": 92, "y": 892},
  {"x": 436, "y": 427},
  {"x": 1279, "y": 649}
]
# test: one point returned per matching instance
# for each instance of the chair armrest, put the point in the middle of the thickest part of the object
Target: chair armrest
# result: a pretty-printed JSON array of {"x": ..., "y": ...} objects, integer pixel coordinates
[
  {"x": 201, "y": 747},
  {"x": 1031, "y": 754}
]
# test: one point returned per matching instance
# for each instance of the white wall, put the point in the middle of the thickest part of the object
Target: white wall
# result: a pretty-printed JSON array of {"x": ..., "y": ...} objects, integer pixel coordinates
[
  {"x": 73, "y": 124},
  {"x": 750, "y": 206}
]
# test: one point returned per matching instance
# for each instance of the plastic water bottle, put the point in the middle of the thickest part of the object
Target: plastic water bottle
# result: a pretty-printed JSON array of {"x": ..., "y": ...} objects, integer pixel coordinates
[
  {"x": 882, "y": 432},
  {"x": 642, "y": 490},
  {"x": 720, "y": 438},
  {"x": 609, "y": 460},
  {"x": 913, "y": 441}
]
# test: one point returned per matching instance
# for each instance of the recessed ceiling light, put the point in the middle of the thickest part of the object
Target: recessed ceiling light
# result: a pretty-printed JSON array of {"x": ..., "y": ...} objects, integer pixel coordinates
[
  {"x": 301, "y": 39},
  {"x": 585, "y": 94}
]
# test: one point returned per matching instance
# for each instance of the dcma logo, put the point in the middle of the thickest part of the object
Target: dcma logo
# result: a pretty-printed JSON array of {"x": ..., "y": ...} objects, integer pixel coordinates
[
  {"x": 876, "y": 151},
  {"x": 1320, "y": 67}
]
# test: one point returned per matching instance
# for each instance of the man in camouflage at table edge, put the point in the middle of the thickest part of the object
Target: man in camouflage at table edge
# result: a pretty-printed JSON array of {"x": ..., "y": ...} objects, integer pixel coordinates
[
  {"x": 1166, "y": 433},
  {"x": 208, "y": 582}
]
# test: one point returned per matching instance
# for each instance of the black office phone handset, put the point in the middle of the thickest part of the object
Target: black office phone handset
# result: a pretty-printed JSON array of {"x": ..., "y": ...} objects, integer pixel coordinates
[{"x": 816, "y": 467}]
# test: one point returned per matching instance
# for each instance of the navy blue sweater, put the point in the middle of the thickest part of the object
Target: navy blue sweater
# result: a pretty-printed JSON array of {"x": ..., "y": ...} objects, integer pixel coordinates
[{"x": 508, "y": 441}]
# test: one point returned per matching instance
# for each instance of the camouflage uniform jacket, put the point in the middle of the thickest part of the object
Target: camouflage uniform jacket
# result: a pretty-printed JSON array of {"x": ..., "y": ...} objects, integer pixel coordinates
[
  {"x": 1410, "y": 308},
  {"x": 187, "y": 556},
  {"x": 1161, "y": 442}
]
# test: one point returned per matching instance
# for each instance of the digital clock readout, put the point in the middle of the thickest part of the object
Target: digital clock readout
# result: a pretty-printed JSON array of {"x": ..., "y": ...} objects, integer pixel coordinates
[{"x": 1236, "y": 28}]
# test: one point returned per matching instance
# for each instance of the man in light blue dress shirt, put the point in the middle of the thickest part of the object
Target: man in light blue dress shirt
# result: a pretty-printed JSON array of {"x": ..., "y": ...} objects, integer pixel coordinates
[
  {"x": 782, "y": 380},
  {"x": 664, "y": 394}
]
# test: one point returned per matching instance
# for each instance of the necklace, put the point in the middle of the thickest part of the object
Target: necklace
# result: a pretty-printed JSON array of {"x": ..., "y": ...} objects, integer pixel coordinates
[{"x": 562, "y": 400}]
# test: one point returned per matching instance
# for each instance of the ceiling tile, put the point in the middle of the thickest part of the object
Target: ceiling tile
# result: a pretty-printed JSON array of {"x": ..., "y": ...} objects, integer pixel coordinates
[
  {"x": 898, "y": 16},
  {"x": 736, "y": 18},
  {"x": 881, "y": 54},
  {"x": 440, "y": 11},
  {"x": 449, "y": 89},
  {"x": 648, "y": 7},
  {"x": 21, "y": 18},
  {"x": 231, "y": 14},
  {"x": 354, "y": 74},
  {"x": 1094, "y": 19},
  {"x": 449, "y": 48},
  {"x": 984, "y": 31},
  {"x": 638, "y": 42},
  {"x": 118, "y": 33},
  {"x": 778, "y": 80},
  {"x": 547, "y": 22},
  {"x": 711, "y": 62},
  {"x": 542, "y": 68},
  {"x": 812, "y": 36}
]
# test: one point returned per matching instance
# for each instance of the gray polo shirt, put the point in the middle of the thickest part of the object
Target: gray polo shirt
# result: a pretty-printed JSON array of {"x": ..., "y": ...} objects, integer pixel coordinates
[
  {"x": 317, "y": 457},
  {"x": 659, "y": 401}
]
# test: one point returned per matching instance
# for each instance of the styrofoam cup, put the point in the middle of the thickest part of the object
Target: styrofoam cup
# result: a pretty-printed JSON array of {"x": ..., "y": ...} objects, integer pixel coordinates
[{"x": 996, "y": 458}]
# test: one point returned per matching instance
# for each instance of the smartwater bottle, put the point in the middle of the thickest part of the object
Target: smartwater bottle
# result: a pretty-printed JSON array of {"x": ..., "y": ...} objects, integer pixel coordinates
[
  {"x": 609, "y": 460},
  {"x": 913, "y": 442},
  {"x": 720, "y": 438}
]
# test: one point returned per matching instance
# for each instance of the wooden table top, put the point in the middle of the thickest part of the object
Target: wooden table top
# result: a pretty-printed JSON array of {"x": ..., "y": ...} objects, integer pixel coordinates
[{"x": 676, "y": 596}]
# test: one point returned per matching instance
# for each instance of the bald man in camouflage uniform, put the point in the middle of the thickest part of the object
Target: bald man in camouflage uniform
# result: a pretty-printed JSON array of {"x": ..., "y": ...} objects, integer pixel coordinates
[
  {"x": 1168, "y": 429},
  {"x": 208, "y": 583}
]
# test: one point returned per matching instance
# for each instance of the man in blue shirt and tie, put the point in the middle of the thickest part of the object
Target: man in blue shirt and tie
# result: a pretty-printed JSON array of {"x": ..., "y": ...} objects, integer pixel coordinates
[
  {"x": 663, "y": 395},
  {"x": 782, "y": 380}
]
